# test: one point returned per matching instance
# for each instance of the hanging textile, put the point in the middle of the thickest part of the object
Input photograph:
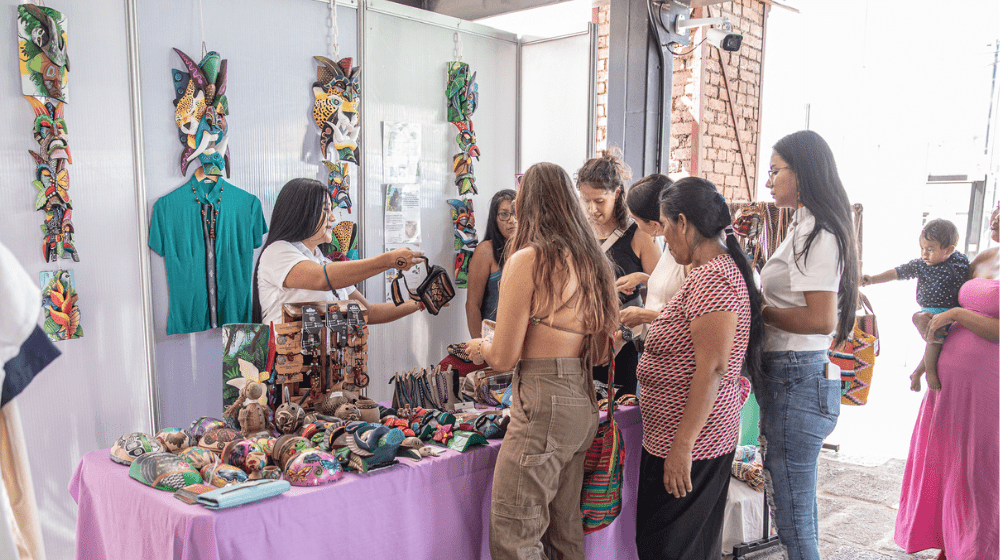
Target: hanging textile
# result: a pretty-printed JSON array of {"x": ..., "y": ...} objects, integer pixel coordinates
[{"x": 762, "y": 226}]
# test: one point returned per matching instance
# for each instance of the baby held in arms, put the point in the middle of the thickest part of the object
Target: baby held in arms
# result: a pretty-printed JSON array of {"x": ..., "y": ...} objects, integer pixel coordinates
[{"x": 940, "y": 272}]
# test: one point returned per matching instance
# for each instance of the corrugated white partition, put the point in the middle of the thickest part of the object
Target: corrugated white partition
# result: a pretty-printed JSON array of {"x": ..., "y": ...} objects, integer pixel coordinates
[
  {"x": 270, "y": 47},
  {"x": 556, "y": 105},
  {"x": 98, "y": 389},
  {"x": 404, "y": 55}
]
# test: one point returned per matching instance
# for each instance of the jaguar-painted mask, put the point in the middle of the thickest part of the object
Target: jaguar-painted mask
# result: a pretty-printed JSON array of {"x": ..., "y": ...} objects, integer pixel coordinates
[
  {"x": 462, "y": 92},
  {"x": 338, "y": 91},
  {"x": 44, "y": 64},
  {"x": 200, "y": 112},
  {"x": 340, "y": 184}
]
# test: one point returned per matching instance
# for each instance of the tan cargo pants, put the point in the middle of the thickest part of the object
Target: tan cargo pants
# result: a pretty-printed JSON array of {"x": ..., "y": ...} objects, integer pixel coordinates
[{"x": 535, "y": 508}]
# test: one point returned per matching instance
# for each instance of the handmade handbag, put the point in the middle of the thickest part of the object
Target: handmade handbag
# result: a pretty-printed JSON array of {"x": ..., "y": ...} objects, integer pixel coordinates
[
  {"x": 434, "y": 291},
  {"x": 601, "y": 498},
  {"x": 486, "y": 386},
  {"x": 856, "y": 357}
]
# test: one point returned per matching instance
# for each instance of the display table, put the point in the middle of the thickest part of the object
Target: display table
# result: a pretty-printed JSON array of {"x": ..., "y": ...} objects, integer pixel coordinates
[{"x": 436, "y": 509}]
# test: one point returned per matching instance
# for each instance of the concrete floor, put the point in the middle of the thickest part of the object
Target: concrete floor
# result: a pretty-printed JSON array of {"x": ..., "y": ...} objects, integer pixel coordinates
[
  {"x": 857, "y": 510},
  {"x": 859, "y": 486}
]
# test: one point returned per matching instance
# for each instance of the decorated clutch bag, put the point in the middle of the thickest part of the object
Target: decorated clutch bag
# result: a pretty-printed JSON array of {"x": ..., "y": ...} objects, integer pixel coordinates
[
  {"x": 434, "y": 291},
  {"x": 244, "y": 493},
  {"x": 459, "y": 351}
]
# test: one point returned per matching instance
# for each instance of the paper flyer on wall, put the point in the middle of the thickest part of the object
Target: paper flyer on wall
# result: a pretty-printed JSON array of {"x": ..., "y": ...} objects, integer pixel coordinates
[
  {"x": 400, "y": 152},
  {"x": 413, "y": 276},
  {"x": 402, "y": 213}
]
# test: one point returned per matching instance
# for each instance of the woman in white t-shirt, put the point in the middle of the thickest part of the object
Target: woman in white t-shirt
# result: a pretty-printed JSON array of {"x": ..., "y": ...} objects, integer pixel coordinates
[
  {"x": 810, "y": 287},
  {"x": 291, "y": 269},
  {"x": 643, "y": 201}
]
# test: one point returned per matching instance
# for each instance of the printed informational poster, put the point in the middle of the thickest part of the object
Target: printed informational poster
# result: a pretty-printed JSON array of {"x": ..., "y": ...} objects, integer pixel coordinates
[
  {"x": 413, "y": 276},
  {"x": 402, "y": 213},
  {"x": 400, "y": 152}
]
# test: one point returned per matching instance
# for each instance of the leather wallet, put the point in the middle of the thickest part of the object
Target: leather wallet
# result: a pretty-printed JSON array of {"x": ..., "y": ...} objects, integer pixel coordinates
[{"x": 245, "y": 493}]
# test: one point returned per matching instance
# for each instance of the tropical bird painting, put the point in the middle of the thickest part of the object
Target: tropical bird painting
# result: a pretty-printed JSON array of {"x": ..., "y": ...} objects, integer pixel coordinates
[{"x": 62, "y": 316}]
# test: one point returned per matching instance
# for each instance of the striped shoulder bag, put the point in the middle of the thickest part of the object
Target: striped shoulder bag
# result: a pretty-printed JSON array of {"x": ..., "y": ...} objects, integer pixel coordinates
[{"x": 601, "y": 498}]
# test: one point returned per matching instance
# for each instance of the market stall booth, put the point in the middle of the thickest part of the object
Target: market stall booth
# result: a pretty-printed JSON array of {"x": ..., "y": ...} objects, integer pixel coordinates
[{"x": 160, "y": 97}]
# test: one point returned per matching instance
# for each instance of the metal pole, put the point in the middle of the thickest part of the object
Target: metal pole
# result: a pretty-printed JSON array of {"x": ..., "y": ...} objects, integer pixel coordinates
[
  {"x": 993, "y": 88},
  {"x": 591, "y": 94},
  {"x": 141, "y": 210},
  {"x": 360, "y": 194}
]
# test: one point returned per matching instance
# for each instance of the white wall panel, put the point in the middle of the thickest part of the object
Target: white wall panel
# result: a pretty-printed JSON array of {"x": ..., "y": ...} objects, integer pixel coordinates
[
  {"x": 98, "y": 389},
  {"x": 555, "y": 103},
  {"x": 270, "y": 46},
  {"x": 404, "y": 78}
]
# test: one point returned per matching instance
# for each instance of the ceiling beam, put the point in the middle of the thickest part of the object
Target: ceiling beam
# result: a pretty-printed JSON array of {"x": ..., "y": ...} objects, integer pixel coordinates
[{"x": 475, "y": 9}]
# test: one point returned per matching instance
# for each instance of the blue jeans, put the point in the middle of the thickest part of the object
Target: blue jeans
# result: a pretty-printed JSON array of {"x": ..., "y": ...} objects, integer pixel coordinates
[{"x": 798, "y": 409}]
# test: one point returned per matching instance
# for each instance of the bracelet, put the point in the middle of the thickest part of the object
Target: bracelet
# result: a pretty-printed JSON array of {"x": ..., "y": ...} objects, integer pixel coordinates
[
  {"x": 327, "y": 276},
  {"x": 479, "y": 350}
]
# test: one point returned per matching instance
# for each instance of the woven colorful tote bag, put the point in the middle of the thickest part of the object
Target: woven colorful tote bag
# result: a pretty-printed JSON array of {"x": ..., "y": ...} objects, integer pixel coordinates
[
  {"x": 601, "y": 498},
  {"x": 856, "y": 357}
]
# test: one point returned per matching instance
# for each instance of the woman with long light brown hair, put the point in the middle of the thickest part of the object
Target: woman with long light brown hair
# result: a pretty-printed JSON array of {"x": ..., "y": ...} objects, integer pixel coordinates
[{"x": 557, "y": 308}]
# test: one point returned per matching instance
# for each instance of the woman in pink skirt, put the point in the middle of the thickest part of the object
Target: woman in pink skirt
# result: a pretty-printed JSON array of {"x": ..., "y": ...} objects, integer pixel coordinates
[{"x": 949, "y": 499}]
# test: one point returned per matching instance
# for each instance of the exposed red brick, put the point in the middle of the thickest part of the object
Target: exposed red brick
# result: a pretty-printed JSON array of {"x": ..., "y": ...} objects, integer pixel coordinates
[{"x": 700, "y": 73}]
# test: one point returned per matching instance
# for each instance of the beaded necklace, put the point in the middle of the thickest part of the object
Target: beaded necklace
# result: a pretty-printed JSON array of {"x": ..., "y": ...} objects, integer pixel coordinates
[
  {"x": 209, "y": 211},
  {"x": 209, "y": 216}
]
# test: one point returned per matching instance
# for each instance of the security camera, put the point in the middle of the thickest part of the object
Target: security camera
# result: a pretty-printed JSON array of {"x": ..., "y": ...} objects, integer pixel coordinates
[{"x": 724, "y": 39}]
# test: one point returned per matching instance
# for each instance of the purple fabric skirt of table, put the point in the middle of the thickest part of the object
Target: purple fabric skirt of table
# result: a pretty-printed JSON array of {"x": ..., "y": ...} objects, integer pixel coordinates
[{"x": 436, "y": 509}]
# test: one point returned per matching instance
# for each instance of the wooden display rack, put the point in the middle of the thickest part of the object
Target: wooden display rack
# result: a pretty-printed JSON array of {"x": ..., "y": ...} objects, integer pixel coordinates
[{"x": 293, "y": 367}]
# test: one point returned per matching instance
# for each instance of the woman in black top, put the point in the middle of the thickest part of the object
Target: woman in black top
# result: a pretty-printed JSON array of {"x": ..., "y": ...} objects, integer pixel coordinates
[{"x": 633, "y": 254}]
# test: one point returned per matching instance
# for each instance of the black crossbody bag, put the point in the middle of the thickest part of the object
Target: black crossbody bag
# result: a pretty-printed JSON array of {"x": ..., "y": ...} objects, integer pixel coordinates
[{"x": 434, "y": 291}]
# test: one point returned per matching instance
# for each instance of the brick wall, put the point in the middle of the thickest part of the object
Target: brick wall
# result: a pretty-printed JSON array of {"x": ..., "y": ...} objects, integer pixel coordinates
[
  {"x": 601, "y": 15},
  {"x": 704, "y": 141}
]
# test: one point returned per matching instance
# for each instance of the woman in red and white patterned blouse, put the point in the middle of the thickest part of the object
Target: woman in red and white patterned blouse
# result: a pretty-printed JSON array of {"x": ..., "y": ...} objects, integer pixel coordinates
[{"x": 692, "y": 390}]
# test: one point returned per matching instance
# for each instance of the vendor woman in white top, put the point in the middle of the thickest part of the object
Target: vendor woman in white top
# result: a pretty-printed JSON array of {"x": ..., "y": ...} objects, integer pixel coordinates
[
  {"x": 810, "y": 287},
  {"x": 291, "y": 268}
]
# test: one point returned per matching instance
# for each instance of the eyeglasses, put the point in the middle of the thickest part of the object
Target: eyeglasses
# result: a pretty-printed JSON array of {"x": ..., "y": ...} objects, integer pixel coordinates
[
  {"x": 774, "y": 171},
  {"x": 505, "y": 216}
]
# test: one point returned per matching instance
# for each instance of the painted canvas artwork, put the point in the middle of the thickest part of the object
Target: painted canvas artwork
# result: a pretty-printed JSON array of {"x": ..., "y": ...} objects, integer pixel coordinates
[
  {"x": 244, "y": 358},
  {"x": 41, "y": 51},
  {"x": 62, "y": 316}
]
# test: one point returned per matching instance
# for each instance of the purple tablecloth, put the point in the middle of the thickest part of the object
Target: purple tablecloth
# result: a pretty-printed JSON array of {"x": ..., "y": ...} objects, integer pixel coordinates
[{"x": 435, "y": 509}]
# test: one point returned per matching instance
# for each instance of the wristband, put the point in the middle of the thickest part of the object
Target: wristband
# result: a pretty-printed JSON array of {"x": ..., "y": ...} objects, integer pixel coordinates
[
  {"x": 479, "y": 350},
  {"x": 327, "y": 276}
]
